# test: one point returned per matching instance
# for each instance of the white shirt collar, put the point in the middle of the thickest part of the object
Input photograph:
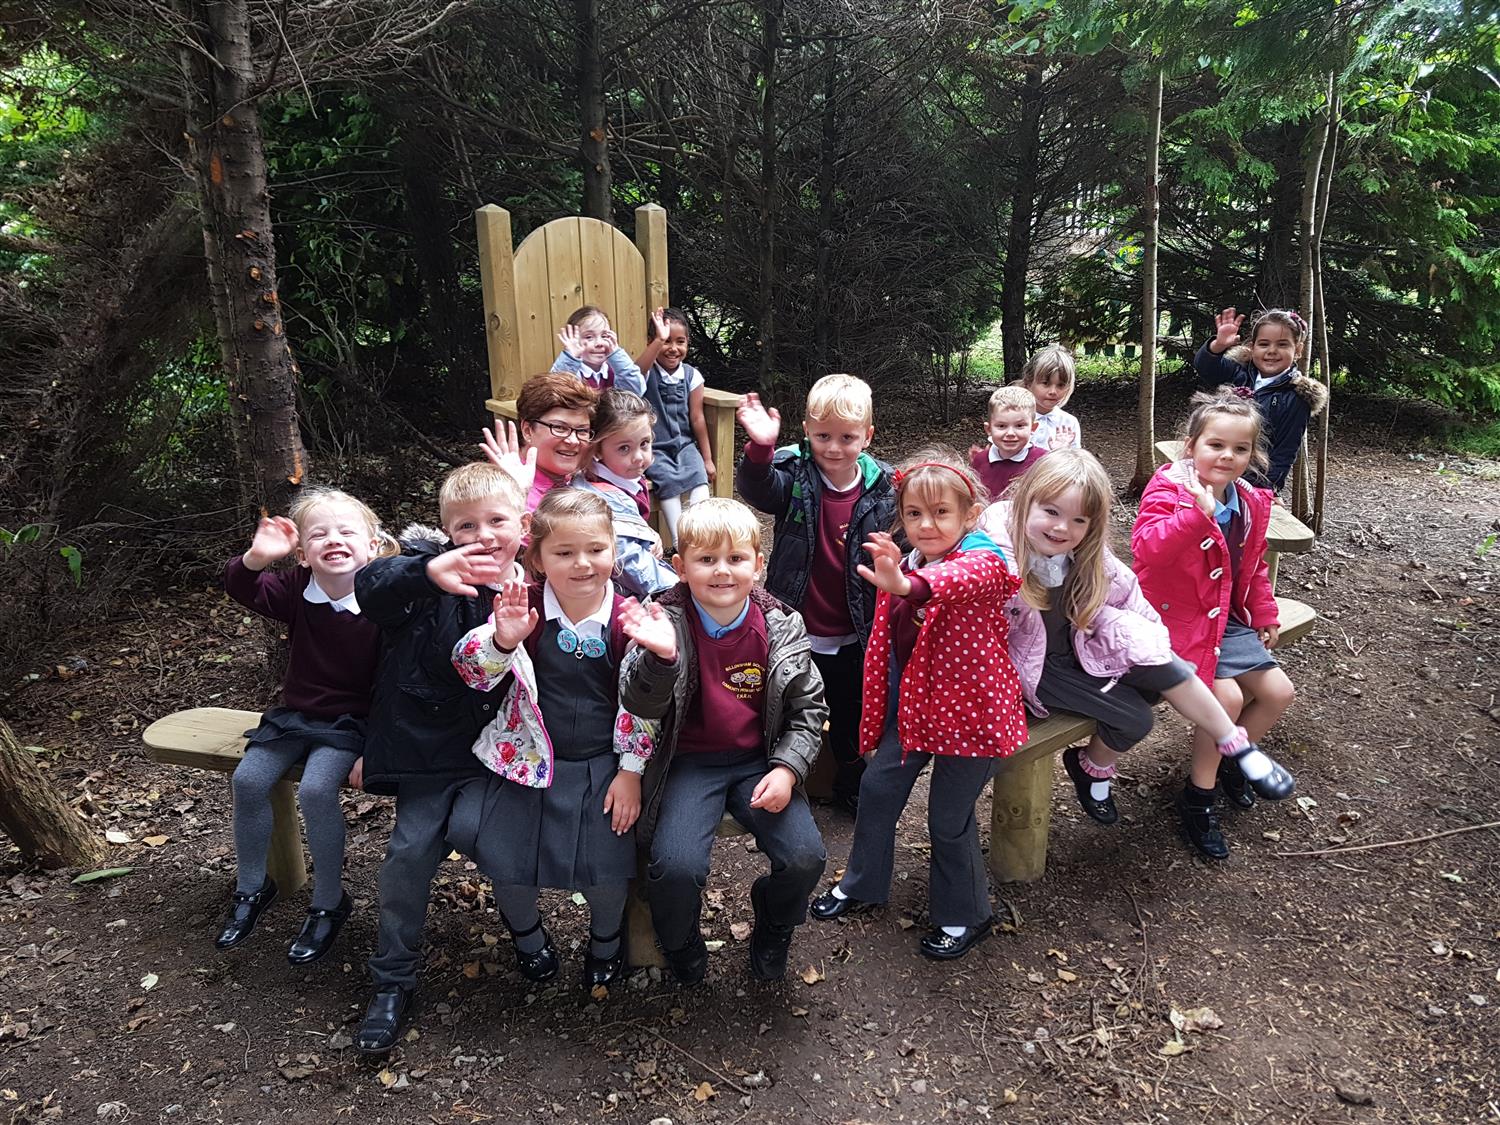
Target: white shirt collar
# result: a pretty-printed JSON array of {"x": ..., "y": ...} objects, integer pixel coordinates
[
  {"x": 631, "y": 485},
  {"x": 595, "y": 624},
  {"x": 1051, "y": 570},
  {"x": 314, "y": 593},
  {"x": 996, "y": 455},
  {"x": 828, "y": 484}
]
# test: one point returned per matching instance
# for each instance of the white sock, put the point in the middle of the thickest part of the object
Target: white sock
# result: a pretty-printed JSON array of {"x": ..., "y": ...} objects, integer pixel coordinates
[
  {"x": 1255, "y": 765},
  {"x": 954, "y": 931},
  {"x": 838, "y": 893},
  {"x": 1099, "y": 790}
]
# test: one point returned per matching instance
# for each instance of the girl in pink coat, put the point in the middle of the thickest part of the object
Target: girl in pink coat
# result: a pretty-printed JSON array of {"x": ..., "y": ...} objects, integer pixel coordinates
[
  {"x": 939, "y": 688},
  {"x": 1200, "y": 554},
  {"x": 1082, "y": 637}
]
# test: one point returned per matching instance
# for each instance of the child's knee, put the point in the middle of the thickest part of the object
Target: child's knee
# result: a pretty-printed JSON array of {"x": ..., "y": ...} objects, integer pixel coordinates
[
  {"x": 807, "y": 862},
  {"x": 680, "y": 871},
  {"x": 319, "y": 794},
  {"x": 250, "y": 784},
  {"x": 1278, "y": 690},
  {"x": 1230, "y": 696}
]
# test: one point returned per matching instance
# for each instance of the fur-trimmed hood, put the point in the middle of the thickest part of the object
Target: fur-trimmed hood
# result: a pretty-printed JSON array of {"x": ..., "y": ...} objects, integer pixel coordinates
[
  {"x": 1312, "y": 392},
  {"x": 420, "y": 539}
]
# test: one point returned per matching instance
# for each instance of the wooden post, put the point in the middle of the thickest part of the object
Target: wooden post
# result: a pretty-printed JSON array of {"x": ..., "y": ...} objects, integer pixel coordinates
[
  {"x": 497, "y": 279},
  {"x": 285, "y": 862},
  {"x": 718, "y": 412},
  {"x": 640, "y": 935},
  {"x": 45, "y": 827},
  {"x": 1020, "y": 815},
  {"x": 651, "y": 241}
]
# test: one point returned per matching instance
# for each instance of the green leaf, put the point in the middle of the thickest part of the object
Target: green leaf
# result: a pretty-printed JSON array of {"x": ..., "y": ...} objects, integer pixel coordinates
[
  {"x": 103, "y": 873},
  {"x": 74, "y": 558}
]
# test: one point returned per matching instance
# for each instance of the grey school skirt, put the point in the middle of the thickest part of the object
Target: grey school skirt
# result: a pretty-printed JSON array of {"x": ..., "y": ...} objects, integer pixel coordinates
[{"x": 1241, "y": 651}]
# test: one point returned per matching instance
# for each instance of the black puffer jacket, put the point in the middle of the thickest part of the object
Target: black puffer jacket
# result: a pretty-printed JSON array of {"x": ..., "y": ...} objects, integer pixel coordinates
[
  {"x": 423, "y": 718},
  {"x": 1287, "y": 403}
]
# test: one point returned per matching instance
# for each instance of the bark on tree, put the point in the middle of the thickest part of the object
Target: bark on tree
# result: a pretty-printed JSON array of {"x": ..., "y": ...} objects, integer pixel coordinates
[
  {"x": 593, "y": 148},
  {"x": 229, "y": 166},
  {"x": 823, "y": 316},
  {"x": 1276, "y": 285},
  {"x": 1307, "y": 237},
  {"x": 1022, "y": 225},
  {"x": 1325, "y": 364},
  {"x": 45, "y": 827},
  {"x": 1145, "y": 408},
  {"x": 770, "y": 42}
]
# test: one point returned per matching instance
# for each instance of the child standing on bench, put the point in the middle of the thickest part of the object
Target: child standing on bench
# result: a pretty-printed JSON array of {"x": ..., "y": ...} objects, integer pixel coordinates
[
  {"x": 1082, "y": 636},
  {"x": 938, "y": 654},
  {"x": 424, "y": 718},
  {"x": 591, "y": 350},
  {"x": 828, "y": 496},
  {"x": 567, "y": 762},
  {"x": 726, "y": 669},
  {"x": 684, "y": 465},
  {"x": 1050, "y": 376},
  {"x": 1200, "y": 553},
  {"x": 324, "y": 701}
]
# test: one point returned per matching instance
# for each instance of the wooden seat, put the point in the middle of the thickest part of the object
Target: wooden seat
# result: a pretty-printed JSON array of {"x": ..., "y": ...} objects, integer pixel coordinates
[{"x": 1021, "y": 798}]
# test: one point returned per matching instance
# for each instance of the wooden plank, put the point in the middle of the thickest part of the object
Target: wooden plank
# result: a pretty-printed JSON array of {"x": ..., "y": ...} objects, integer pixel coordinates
[
  {"x": 1286, "y": 534},
  {"x": 631, "y": 314},
  {"x": 501, "y": 408},
  {"x": 497, "y": 279},
  {"x": 718, "y": 413},
  {"x": 1168, "y": 451},
  {"x": 564, "y": 271},
  {"x": 539, "y": 346},
  {"x": 1021, "y": 798},
  {"x": 651, "y": 241},
  {"x": 596, "y": 256},
  {"x": 1297, "y": 620}
]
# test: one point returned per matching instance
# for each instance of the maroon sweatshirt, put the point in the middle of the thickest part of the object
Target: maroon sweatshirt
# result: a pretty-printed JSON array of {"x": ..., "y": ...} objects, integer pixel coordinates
[{"x": 728, "y": 711}]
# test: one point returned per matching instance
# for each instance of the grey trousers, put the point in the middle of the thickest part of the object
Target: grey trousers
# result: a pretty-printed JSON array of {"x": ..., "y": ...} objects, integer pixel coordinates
[
  {"x": 699, "y": 789},
  {"x": 957, "y": 884}
]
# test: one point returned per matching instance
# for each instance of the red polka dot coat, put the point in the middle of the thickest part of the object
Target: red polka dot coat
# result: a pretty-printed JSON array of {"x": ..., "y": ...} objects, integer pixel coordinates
[{"x": 960, "y": 694}]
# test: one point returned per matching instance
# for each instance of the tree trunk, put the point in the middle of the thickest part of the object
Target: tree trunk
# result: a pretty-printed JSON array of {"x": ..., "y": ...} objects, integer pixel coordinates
[
  {"x": 593, "y": 149},
  {"x": 1022, "y": 221},
  {"x": 45, "y": 827},
  {"x": 770, "y": 41},
  {"x": 229, "y": 167},
  {"x": 1307, "y": 236},
  {"x": 1325, "y": 364},
  {"x": 1145, "y": 408},
  {"x": 1277, "y": 282},
  {"x": 827, "y": 187}
]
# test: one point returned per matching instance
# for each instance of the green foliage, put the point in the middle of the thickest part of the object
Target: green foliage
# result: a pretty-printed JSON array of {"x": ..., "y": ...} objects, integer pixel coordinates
[{"x": 34, "y": 534}]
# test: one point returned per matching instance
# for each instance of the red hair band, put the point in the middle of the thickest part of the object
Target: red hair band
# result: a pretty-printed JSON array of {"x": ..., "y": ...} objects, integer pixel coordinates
[{"x": 901, "y": 476}]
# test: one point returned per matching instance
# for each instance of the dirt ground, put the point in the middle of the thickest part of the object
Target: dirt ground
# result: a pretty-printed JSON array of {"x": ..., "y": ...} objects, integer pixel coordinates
[{"x": 1348, "y": 987}]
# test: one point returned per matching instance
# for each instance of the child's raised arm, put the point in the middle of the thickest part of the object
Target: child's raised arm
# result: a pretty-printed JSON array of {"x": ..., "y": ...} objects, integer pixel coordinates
[
  {"x": 653, "y": 346},
  {"x": 246, "y": 579}
]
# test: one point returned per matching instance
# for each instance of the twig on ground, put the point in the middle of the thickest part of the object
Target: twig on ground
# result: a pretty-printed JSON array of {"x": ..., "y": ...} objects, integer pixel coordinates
[
  {"x": 1394, "y": 843},
  {"x": 717, "y": 1073},
  {"x": 1146, "y": 971}
]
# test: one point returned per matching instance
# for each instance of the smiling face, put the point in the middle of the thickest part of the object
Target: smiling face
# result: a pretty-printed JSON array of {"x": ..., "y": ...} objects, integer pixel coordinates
[
  {"x": 1056, "y": 526},
  {"x": 577, "y": 558},
  {"x": 626, "y": 450},
  {"x": 936, "y": 518},
  {"x": 1222, "y": 451},
  {"x": 1274, "y": 348},
  {"x": 559, "y": 456},
  {"x": 674, "y": 346},
  {"x": 594, "y": 335},
  {"x": 836, "y": 445},
  {"x": 491, "y": 521},
  {"x": 719, "y": 575},
  {"x": 335, "y": 540},
  {"x": 1009, "y": 429}
]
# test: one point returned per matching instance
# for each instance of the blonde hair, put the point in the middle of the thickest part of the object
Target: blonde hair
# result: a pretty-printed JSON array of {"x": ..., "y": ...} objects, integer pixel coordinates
[
  {"x": 479, "y": 480},
  {"x": 1227, "y": 402},
  {"x": 1013, "y": 397},
  {"x": 844, "y": 397},
  {"x": 310, "y": 499},
  {"x": 1087, "y": 588},
  {"x": 717, "y": 520},
  {"x": 564, "y": 506},
  {"x": 1053, "y": 364},
  {"x": 936, "y": 473}
]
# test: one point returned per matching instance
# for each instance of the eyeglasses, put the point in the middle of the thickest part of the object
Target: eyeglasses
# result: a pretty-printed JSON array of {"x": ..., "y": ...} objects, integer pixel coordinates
[{"x": 563, "y": 430}]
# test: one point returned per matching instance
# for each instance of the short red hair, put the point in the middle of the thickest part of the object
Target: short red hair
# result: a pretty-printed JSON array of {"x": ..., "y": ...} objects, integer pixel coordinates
[{"x": 555, "y": 389}]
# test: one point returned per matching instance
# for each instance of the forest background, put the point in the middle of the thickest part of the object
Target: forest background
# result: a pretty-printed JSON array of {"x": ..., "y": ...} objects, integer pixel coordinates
[{"x": 919, "y": 191}]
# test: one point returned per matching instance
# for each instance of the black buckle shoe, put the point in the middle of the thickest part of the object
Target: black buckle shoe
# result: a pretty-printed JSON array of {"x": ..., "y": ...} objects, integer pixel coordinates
[
  {"x": 690, "y": 963},
  {"x": 1277, "y": 785},
  {"x": 1235, "y": 785},
  {"x": 828, "y": 906},
  {"x": 768, "y": 943},
  {"x": 1200, "y": 824},
  {"x": 542, "y": 965},
  {"x": 602, "y": 970},
  {"x": 1103, "y": 811},
  {"x": 319, "y": 929},
  {"x": 942, "y": 946},
  {"x": 381, "y": 1026},
  {"x": 244, "y": 911}
]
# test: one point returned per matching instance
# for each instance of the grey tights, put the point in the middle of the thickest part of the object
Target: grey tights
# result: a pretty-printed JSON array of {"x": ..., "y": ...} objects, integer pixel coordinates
[
  {"x": 318, "y": 795},
  {"x": 606, "y": 913}
]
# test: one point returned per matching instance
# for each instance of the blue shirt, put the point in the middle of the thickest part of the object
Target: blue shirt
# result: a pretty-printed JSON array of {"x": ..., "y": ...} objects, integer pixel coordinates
[
  {"x": 713, "y": 628},
  {"x": 1223, "y": 513}
]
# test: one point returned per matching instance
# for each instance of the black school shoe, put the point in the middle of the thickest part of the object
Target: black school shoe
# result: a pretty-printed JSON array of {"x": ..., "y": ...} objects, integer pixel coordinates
[
  {"x": 1200, "y": 822},
  {"x": 690, "y": 963},
  {"x": 602, "y": 970},
  {"x": 1103, "y": 811},
  {"x": 381, "y": 1027},
  {"x": 319, "y": 930},
  {"x": 1235, "y": 785},
  {"x": 244, "y": 911},
  {"x": 768, "y": 943},
  {"x": 544, "y": 964},
  {"x": 828, "y": 906},
  {"x": 1277, "y": 785},
  {"x": 942, "y": 946}
]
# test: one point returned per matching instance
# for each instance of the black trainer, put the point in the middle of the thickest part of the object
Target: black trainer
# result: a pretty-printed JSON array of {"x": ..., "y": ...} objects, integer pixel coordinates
[
  {"x": 244, "y": 911},
  {"x": 1103, "y": 811},
  {"x": 1200, "y": 822}
]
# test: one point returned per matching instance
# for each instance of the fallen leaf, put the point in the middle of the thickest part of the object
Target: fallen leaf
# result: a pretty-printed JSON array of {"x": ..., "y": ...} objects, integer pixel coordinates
[
  {"x": 1066, "y": 977},
  {"x": 810, "y": 975},
  {"x": 148, "y": 982},
  {"x": 115, "y": 836},
  {"x": 102, "y": 873},
  {"x": 803, "y": 1011},
  {"x": 905, "y": 923},
  {"x": 387, "y": 1079},
  {"x": 1036, "y": 978},
  {"x": 1201, "y": 1019},
  {"x": 599, "y": 992},
  {"x": 471, "y": 972},
  {"x": 1173, "y": 1047},
  {"x": 739, "y": 930},
  {"x": 224, "y": 1027},
  {"x": 153, "y": 841},
  {"x": 713, "y": 946},
  {"x": 704, "y": 1092}
]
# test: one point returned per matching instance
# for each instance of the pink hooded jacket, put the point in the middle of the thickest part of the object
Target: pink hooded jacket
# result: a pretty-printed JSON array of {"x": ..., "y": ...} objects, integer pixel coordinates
[{"x": 1126, "y": 632}]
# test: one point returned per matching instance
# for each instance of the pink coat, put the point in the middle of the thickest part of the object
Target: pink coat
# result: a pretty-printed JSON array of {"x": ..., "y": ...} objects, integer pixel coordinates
[
  {"x": 1182, "y": 561},
  {"x": 959, "y": 693},
  {"x": 1126, "y": 633}
]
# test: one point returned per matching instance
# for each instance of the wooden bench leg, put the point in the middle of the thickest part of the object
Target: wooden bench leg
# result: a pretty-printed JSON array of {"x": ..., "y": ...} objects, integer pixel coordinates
[
  {"x": 820, "y": 777},
  {"x": 640, "y": 935},
  {"x": 1273, "y": 563},
  {"x": 1021, "y": 813},
  {"x": 285, "y": 862}
]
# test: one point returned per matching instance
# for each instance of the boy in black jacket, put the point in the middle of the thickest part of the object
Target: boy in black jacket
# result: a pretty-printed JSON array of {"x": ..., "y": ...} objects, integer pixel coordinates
[{"x": 423, "y": 718}]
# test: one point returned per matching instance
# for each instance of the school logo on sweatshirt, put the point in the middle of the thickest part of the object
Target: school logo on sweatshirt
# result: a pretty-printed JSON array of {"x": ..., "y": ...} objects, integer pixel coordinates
[{"x": 745, "y": 680}]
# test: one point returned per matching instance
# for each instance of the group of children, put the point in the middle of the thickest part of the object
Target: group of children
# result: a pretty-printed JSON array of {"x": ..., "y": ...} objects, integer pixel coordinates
[{"x": 545, "y": 686}]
